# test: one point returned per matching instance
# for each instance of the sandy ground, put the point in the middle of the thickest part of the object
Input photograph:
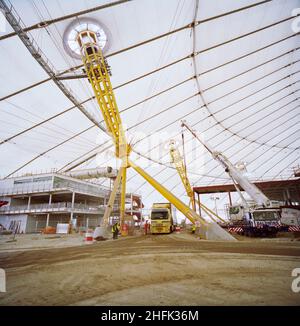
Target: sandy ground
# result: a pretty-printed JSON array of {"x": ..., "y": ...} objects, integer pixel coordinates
[
  {"x": 39, "y": 241},
  {"x": 176, "y": 269}
]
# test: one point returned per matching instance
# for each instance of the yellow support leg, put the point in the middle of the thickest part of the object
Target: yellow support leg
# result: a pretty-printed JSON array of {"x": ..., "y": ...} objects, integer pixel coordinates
[
  {"x": 123, "y": 196},
  {"x": 207, "y": 231},
  {"x": 112, "y": 198},
  {"x": 189, "y": 213}
]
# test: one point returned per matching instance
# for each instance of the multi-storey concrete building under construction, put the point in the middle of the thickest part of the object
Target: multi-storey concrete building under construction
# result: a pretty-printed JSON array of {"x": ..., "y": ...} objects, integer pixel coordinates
[{"x": 32, "y": 202}]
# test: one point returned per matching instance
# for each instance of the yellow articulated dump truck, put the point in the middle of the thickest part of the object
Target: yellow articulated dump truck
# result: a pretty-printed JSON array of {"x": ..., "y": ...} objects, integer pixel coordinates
[{"x": 161, "y": 218}]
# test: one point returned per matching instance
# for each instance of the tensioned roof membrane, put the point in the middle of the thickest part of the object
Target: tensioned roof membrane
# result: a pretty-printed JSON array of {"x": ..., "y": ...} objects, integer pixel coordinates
[{"x": 229, "y": 68}]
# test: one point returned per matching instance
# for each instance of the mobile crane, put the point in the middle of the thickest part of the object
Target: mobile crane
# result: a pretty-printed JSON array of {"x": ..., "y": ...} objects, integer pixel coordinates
[
  {"x": 98, "y": 74},
  {"x": 180, "y": 166},
  {"x": 258, "y": 219}
]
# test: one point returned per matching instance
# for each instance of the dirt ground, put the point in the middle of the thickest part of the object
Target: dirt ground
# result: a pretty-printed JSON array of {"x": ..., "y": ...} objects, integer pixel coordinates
[
  {"x": 39, "y": 241},
  {"x": 176, "y": 269}
]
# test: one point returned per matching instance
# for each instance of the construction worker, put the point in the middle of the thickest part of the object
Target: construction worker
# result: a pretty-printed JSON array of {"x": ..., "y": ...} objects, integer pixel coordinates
[
  {"x": 115, "y": 230},
  {"x": 146, "y": 227},
  {"x": 193, "y": 228}
]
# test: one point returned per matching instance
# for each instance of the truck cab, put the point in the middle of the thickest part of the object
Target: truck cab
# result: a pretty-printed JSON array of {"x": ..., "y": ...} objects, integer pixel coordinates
[{"x": 161, "y": 218}]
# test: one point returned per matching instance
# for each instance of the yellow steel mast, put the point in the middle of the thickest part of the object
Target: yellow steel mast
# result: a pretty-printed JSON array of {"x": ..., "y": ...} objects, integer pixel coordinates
[
  {"x": 178, "y": 162},
  {"x": 98, "y": 75}
]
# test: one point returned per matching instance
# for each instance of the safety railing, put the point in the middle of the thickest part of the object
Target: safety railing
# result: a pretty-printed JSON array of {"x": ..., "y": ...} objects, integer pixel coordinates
[
  {"x": 59, "y": 207},
  {"x": 31, "y": 188}
]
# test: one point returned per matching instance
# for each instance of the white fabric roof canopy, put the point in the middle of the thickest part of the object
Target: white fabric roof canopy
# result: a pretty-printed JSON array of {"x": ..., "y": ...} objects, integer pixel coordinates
[{"x": 248, "y": 108}]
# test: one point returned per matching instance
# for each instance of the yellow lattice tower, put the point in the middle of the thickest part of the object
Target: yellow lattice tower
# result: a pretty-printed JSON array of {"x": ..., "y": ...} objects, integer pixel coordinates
[{"x": 178, "y": 162}]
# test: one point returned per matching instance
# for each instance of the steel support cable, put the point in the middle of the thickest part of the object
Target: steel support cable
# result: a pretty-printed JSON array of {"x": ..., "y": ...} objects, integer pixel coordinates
[
  {"x": 46, "y": 23},
  {"x": 58, "y": 76},
  {"x": 251, "y": 69},
  {"x": 213, "y": 168},
  {"x": 248, "y": 54},
  {"x": 264, "y": 135},
  {"x": 157, "y": 130},
  {"x": 35, "y": 84},
  {"x": 58, "y": 134},
  {"x": 145, "y": 42},
  {"x": 267, "y": 116},
  {"x": 40, "y": 123},
  {"x": 118, "y": 52},
  {"x": 155, "y": 161},
  {"x": 135, "y": 79},
  {"x": 218, "y": 177},
  {"x": 230, "y": 146},
  {"x": 290, "y": 164},
  {"x": 67, "y": 110},
  {"x": 245, "y": 156},
  {"x": 247, "y": 34},
  {"x": 246, "y": 97},
  {"x": 235, "y": 113},
  {"x": 260, "y": 78},
  {"x": 179, "y": 183},
  {"x": 61, "y": 129},
  {"x": 157, "y": 94},
  {"x": 91, "y": 98},
  {"x": 97, "y": 147},
  {"x": 45, "y": 152},
  {"x": 247, "y": 107},
  {"x": 87, "y": 100},
  {"x": 23, "y": 39},
  {"x": 119, "y": 86},
  {"x": 277, "y": 152},
  {"x": 212, "y": 159},
  {"x": 15, "y": 21},
  {"x": 93, "y": 155},
  {"x": 87, "y": 129},
  {"x": 160, "y": 163},
  {"x": 188, "y": 26},
  {"x": 213, "y": 115}
]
